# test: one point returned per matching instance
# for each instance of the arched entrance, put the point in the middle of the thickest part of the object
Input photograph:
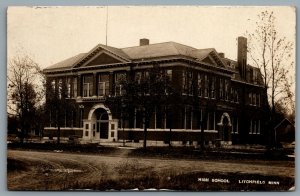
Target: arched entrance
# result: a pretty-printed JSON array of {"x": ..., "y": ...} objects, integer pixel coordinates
[
  {"x": 100, "y": 125},
  {"x": 102, "y": 122},
  {"x": 225, "y": 127}
]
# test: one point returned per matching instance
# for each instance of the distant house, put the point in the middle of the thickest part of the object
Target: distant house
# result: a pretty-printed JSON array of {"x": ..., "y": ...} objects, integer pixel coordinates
[
  {"x": 285, "y": 131},
  {"x": 234, "y": 87}
]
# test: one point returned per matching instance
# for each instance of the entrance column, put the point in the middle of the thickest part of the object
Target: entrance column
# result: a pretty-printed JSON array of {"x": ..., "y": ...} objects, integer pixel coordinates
[{"x": 87, "y": 130}]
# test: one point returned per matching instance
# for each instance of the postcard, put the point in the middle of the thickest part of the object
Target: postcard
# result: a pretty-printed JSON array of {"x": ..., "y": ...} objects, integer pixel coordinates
[{"x": 151, "y": 98}]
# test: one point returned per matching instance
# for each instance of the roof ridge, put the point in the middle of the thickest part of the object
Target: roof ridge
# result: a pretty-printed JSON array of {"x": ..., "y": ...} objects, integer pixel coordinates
[
  {"x": 185, "y": 45},
  {"x": 148, "y": 45}
]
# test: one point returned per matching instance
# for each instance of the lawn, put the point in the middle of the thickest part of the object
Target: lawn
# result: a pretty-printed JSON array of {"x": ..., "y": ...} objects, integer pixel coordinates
[{"x": 30, "y": 170}]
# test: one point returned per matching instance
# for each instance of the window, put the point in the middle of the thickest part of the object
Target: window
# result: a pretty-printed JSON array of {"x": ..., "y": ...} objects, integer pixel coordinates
[
  {"x": 255, "y": 76},
  {"x": 87, "y": 86},
  {"x": 146, "y": 75},
  {"x": 254, "y": 127},
  {"x": 103, "y": 84},
  {"x": 206, "y": 85},
  {"x": 53, "y": 85},
  {"x": 199, "y": 85},
  {"x": 184, "y": 82},
  {"x": 167, "y": 80},
  {"x": 68, "y": 87},
  {"x": 258, "y": 99},
  {"x": 236, "y": 95},
  {"x": 190, "y": 86},
  {"x": 226, "y": 90},
  {"x": 86, "y": 133},
  {"x": 169, "y": 75},
  {"x": 187, "y": 77},
  {"x": 212, "y": 92},
  {"x": 119, "y": 77},
  {"x": 60, "y": 88},
  {"x": 86, "y": 126},
  {"x": 112, "y": 127},
  {"x": 250, "y": 98},
  {"x": 75, "y": 87},
  {"x": 221, "y": 88},
  {"x": 138, "y": 77},
  {"x": 254, "y": 99}
]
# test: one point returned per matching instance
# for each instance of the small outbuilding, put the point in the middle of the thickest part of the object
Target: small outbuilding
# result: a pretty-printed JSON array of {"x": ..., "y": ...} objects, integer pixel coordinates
[{"x": 285, "y": 131}]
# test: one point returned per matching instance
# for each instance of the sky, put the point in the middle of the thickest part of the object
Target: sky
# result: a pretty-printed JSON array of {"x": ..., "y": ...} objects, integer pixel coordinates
[{"x": 51, "y": 34}]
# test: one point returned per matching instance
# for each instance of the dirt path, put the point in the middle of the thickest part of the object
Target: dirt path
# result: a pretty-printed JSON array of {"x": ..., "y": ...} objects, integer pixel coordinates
[{"x": 55, "y": 169}]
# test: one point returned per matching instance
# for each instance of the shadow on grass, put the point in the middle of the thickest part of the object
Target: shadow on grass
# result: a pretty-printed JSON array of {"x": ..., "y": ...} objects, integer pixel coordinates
[
  {"x": 209, "y": 154},
  {"x": 16, "y": 165},
  {"x": 65, "y": 147}
]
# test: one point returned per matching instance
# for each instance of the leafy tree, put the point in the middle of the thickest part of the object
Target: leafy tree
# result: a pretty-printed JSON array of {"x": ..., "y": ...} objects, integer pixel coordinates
[{"x": 23, "y": 91}]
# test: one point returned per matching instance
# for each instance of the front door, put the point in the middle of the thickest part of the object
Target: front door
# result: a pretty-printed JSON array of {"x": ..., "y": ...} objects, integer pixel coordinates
[
  {"x": 102, "y": 123},
  {"x": 103, "y": 130},
  {"x": 225, "y": 129}
]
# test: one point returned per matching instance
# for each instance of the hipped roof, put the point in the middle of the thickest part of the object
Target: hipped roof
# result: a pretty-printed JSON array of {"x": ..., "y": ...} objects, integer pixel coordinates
[{"x": 136, "y": 53}]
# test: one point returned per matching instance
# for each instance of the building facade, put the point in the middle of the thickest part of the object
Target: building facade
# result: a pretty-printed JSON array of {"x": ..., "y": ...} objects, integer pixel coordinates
[{"x": 232, "y": 99}]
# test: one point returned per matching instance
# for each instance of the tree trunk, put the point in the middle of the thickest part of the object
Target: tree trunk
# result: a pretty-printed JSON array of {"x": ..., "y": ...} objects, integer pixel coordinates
[
  {"x": 58, "y": 134},
  {"x": 202, "y": 136},
  {"x": 145, "y": 136},
  {"x": 58, "y": 127},
  {"x": 22, "y": 136},
  {"x": 170, "y": 115},
  {"x": 170, "y": 137}
]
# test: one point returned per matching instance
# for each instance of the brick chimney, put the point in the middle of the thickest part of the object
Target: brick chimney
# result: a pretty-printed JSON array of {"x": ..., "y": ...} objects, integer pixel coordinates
[
  {"x": 242, "y": 56},
  {"x": 144, "y": 42}
]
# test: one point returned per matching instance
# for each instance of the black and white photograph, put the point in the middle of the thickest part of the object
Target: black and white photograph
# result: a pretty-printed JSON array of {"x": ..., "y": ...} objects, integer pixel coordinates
[{"x": 151, "y": 98}]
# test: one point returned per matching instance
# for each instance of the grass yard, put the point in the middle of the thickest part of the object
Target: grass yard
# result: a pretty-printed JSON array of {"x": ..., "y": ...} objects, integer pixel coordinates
[{"x": 29, "y": 170}]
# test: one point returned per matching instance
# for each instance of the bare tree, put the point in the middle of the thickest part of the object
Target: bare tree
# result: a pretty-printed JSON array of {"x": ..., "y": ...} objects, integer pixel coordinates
[
  {"x": 144, "y": 96},
  {"x": 23, "y": 91},
  {"x": 58, "y": 105},
  {"x": 272, "y": 54}
]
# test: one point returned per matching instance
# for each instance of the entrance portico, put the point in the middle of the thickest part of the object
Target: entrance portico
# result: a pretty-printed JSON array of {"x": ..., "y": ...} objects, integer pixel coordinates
[
  {"x": 224, "y": 129},
  {"x": 100, "y": 126}
]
